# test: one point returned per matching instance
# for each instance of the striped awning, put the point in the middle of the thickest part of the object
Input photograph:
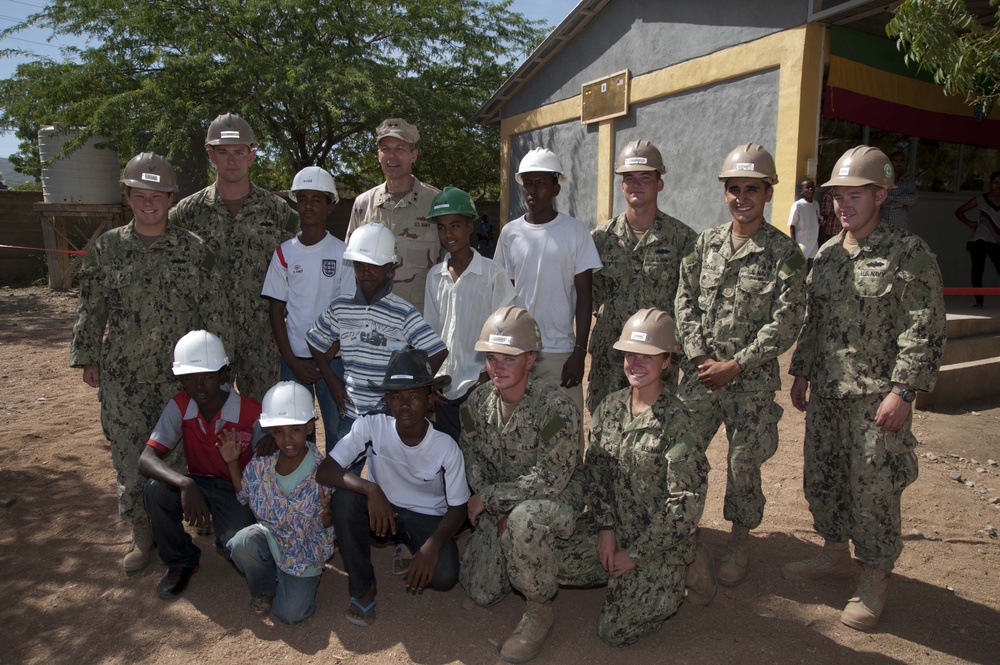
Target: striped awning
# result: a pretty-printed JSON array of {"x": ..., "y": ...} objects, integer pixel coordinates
[{"x": 870, "y": 84}]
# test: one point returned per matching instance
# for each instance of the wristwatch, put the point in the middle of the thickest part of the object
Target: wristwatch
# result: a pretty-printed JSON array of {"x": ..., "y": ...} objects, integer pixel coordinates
[{"x": 907, "y": 395}]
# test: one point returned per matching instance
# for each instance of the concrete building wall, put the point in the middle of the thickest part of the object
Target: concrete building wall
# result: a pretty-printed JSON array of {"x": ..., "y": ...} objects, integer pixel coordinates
[
  {"x": 695, "y": 131},
  {"x": 576, "y": 146},
  {"x": 933, "y": 219},
  {"x": 646, "y": 35}
]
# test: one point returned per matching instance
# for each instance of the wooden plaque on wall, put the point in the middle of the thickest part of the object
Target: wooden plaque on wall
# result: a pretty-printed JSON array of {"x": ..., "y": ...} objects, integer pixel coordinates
[{"x": 605, "y": 98}]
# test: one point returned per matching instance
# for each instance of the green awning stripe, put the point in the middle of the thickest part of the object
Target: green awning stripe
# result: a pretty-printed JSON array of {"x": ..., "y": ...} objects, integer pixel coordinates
[{"x": 877, "y": 52}]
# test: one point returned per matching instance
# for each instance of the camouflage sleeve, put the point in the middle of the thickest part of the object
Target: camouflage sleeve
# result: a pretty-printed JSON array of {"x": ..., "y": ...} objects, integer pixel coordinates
[
  {"x": 673, "y": 516},
  {"x": 787, "y": 305},
  {"x": 921, "y": 343},
  {"x": 557, "y": 459},
  {"x": 478, "y": 470},
  {"x": 686, "y": 307},
  {"x": 597, "y": 471},
  {"x": 91, "y": 311}
]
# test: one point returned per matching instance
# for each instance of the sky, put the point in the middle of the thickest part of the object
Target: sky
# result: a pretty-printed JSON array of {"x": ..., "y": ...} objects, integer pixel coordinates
[{"x": 38, "y": 41}]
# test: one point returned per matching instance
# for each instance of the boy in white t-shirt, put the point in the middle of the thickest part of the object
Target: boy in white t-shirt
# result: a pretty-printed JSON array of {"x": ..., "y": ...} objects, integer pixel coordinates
[
  {"x": 803, "y": 221},
  {"x": 416, "y": 487},
  {"x": 550, "y": 257},
  {"x": 306, "y": 274}
]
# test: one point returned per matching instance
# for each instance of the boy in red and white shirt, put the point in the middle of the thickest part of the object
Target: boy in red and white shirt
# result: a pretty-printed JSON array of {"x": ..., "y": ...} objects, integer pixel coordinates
[{"x": 206, "y": 407}]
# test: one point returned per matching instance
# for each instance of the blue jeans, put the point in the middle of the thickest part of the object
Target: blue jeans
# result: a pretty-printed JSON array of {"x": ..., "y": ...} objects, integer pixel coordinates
[
  {"x": 327, "y": 406},
  {"x": 350, "y": 521},
  {"x": 166, "y": 516},
  {"x": 294, "y": 596}
]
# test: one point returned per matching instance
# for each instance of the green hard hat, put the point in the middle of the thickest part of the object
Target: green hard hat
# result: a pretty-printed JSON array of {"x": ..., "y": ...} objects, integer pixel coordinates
[{"x": 452, "y": 201}]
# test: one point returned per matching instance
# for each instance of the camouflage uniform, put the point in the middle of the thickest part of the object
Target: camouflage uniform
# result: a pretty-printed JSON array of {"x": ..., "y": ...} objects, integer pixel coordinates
[
  {"x": 243, "y": 247},
  {"x": 635, "y": 275},
  {"x": 146, "y": 300},
  {"x": 875, "y": 317},
  {"x": 523, "y": 470},
  {"x": 646, "y": 478},
  {"x": 745, "y": 306},
  {"x": 417, "y": 241}
]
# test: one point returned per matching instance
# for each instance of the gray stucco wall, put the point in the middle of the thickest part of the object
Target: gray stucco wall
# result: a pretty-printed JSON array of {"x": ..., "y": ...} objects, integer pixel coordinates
[
  {"x": 933, "y": 219},
  {"x": 646, "y": 35},
  {"x": 695, "y": 131},
  {"x": 576, "y": 146}
]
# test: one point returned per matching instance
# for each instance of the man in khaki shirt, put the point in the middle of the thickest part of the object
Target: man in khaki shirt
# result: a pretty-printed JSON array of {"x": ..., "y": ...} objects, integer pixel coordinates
[{"x": 401, "y": 204}]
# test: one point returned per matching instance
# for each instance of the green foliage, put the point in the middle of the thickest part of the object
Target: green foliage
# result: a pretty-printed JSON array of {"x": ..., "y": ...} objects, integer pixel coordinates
[
  {"x": 313, "y": 78},
  {"x": 943, "y": 37}
]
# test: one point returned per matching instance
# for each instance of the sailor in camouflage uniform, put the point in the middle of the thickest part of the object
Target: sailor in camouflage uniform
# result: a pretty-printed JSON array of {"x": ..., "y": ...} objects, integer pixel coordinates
[
  {"x": 641, "y": 250},
  {"x": 142, "y": 287},
  {"x": 520, "y": 441},
  {"x": 645, "y": 481},
  {"x": 242, "y": 224},
  {"x": 739, "y": 306},
  {"x": 873, "y": 336}
]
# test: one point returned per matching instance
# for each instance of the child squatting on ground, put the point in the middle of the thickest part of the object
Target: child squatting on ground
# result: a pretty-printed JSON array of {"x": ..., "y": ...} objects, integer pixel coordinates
[
  {"x": 206, "y": 408},
  {"x": 416, "y": 488},
  {"x": 282, "y": 555}
]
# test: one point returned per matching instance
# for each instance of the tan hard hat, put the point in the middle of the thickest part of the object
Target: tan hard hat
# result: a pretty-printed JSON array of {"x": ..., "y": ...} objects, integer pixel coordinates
[
  {"x": 863, "y": 165},
  {"x": 510, "y": 330},
  {"x": 639, "y": 155},
  {"x": 230, "y": 129},
  {"x": 147, "y": 170},
  {"x": 397, "y": 128},
  {"x": 648, "y": 331},
  {"x": 749, "y": 160}
]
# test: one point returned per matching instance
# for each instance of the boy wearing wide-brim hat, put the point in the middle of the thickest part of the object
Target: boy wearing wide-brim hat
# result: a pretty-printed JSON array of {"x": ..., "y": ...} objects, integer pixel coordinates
[{"x": 416, "y": 487}]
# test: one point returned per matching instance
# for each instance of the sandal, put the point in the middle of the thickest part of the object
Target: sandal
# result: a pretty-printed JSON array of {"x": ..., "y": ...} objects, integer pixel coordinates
[
  {"x": 261, "y": 604},
  {"x": 401, "y": 559},
  {"x": 367, "y": 617}
]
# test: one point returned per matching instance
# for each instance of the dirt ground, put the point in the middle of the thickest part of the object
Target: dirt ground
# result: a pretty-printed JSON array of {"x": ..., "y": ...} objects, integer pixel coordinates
[{"x": 65, "y": 599}]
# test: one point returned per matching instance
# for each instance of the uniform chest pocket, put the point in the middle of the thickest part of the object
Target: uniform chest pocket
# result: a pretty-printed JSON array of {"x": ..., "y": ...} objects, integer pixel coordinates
[
  {"x": 873, "y": 286},
  {"x": 710, "y": 279},
  {"x": 118, "y": 277}
]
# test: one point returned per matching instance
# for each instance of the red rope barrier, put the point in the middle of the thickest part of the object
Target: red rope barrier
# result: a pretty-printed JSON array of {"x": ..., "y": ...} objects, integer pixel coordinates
[{"x": 58, "y": 251}]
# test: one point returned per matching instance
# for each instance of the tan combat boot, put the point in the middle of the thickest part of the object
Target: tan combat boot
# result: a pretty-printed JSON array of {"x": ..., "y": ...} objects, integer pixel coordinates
[
  {"x": 139, "y": 553},
  {"x": 700, "y": 580},
  {"x": 865, "y": 608},
  {"x": 527, "y": 639},
  {"x": 736, "y": 560},
  {"x": 834, "y": 561}
]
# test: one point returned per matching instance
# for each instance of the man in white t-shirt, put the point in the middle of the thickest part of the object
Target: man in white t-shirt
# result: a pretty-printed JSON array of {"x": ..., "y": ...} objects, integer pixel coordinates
[
  {"x": 416, "y": 488},
  {"x": 306, "y": 274},
  {"x": 551, "y": 257},
  {"x": 803, "y": 221}
]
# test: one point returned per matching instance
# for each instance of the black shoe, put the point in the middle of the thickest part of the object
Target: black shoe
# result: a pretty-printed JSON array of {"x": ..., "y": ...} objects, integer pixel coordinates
[{"x": 174, "y": 582}]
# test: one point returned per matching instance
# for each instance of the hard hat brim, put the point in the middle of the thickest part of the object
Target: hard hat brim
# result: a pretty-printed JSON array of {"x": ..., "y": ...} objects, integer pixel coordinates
[
  {"x": 364, "y": 258},
  {"x": 643, "y": 348},
  {"x": 436, "y": 383},
  {"x": 281, "y": 422},
  {"x": 853, "y": 181},
  {"x": 143, "y": 184},
  {"x": 180, "y": 370}
]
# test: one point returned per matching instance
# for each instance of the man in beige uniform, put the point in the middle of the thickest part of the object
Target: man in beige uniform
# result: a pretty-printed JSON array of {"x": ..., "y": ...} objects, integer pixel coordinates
[{"x": 401, "y": 204}]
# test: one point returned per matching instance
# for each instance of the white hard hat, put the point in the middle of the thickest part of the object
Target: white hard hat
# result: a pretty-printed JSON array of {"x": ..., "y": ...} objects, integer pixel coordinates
[
  {"x": 541, "y": 160},
  {"x": 199, "y": 351},
  {"x": 313, "y": 177},
  {"x": 287, "y": 403},
  {"x": 372, "y": 243}
]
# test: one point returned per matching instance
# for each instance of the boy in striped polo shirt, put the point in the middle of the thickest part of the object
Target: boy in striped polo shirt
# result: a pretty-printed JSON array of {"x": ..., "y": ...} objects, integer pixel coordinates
[{"x": 368, "y": 326}]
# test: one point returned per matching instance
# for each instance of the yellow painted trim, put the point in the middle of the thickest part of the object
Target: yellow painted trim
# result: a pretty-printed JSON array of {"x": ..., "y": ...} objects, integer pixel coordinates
[
  {"x": 796, "y": 53},
  {"x": 605, "y": 174},
  {"x": 895, "y": 88}
]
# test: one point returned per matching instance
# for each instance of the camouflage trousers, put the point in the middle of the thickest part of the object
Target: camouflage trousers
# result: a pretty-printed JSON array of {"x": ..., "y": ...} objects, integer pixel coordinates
[
  {"x": 854, "y": 475},
  {"x": 638, "y": 602},
  {"x": 607, "y": 370},
  {"x": 751, "y": 420},
  {"x": 524, "y": 557},
  {"x": 129, "y": 412},
  {"x": 253, "y": 359}
]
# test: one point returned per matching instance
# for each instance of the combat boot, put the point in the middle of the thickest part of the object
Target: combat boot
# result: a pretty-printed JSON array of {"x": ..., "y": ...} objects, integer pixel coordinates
[
  {"x": 527, "y": 639},
  {"x": 834, "y": 561},
  {"x": 865, "y": 608},
  {"x": 736, "y": 560},
  {"x": 700, "y": 581},
  {"x": 139, "y": 554}
]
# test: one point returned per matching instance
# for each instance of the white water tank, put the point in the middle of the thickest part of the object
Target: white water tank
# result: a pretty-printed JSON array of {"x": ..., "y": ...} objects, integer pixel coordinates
[{"x": 88, "y": 175}]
